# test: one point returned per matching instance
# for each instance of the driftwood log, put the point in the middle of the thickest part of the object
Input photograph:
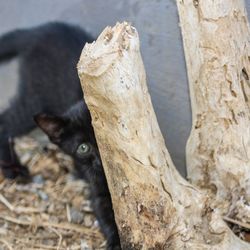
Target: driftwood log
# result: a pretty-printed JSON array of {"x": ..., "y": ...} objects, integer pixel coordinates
[
  {"x": 216, "y": 41},
  {"x": 155, "y": 208}
]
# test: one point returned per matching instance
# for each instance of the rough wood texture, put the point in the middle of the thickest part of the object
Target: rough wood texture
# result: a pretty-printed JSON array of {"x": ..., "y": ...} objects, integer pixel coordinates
[
  {"x": 154, "y": 207},
  {"x": 216, "y": 42}
]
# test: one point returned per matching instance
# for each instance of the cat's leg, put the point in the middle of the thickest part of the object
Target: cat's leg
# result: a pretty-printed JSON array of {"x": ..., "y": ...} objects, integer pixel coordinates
[
  {"x": 102, "y": 206},
  {"x": 9, "y": 163},
  {"x": 103, "y": 210},
  {"x": 14, "y": 121},
  {"x": 101, "y": 202}
]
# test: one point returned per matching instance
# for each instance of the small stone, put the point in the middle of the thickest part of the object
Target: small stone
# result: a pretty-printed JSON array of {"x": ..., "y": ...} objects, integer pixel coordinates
[
  {"x": 38, "y": 179},
  {"x": 96, "y": 224},
  {"x": 88, "y": 220},
  {"x": 48, "y": 242},
  {"x": 76, "y": 216},
  {"x": 43, "y": 195},
  {"x": 84, "y": 245}
]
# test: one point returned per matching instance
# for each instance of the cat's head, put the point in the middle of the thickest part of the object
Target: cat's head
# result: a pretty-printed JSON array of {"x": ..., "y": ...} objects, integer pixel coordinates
[{"x": 73, "y": 133}]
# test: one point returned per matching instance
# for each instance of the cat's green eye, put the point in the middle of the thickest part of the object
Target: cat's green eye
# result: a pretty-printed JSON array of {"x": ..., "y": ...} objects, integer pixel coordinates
[{"x": 83, "y": 149}]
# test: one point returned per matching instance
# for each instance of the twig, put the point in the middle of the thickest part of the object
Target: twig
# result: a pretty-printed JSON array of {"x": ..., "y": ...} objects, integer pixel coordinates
[
  {"x": 6, "y": 202},
  {"x": 16, "y": 221},
  {"x": 68, "y": 213},
  {"x": 18, "y": 209},
  {"x": 6, "y": 243},
  {"x": 38, "y": 246},
  {"x": 242, "y": 224},
  {"x": 60, "y": 237},
  {"x": 66, "y": 226},
  {"x": 3, "y": 183}
]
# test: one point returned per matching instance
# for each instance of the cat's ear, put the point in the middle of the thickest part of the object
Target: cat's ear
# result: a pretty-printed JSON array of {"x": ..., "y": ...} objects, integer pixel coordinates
[{"x": 53, "y": 126}]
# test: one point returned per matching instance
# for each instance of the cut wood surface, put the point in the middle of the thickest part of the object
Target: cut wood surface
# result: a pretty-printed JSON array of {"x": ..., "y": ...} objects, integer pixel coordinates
[{"x": 155, "y": 208}]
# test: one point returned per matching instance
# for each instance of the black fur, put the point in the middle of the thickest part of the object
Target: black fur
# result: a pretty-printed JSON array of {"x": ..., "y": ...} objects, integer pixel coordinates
[
  {"x": 69, "y": 131},
  {"x": 48, "y": 84},
  {"x": 47, "y": 71}
]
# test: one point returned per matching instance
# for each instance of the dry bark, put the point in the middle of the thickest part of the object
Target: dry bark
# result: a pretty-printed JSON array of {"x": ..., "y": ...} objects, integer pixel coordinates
[
  {"x": 155, "y": 208},
  {"x": 216, "y": 42}
]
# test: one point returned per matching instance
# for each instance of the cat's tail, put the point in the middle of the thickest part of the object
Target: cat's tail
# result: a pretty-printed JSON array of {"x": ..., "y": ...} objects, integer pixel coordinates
[{"x": 12, "y": 43}]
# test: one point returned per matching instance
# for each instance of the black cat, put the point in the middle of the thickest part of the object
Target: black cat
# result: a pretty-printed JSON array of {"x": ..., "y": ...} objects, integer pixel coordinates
[
  {"x": 73, "y": 133},
  {"x": 48, "y": 83}
]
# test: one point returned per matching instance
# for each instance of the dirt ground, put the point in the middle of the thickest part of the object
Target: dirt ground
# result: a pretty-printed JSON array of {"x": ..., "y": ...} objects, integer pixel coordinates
[{"x": 51, "y": 212}]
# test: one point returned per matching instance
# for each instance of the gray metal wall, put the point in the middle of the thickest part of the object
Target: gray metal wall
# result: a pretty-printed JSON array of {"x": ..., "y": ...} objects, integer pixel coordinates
[{"x": 161, "y": 47}]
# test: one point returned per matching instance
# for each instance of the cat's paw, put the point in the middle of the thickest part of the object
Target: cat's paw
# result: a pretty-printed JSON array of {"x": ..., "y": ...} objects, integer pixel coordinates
[
  {"x": 16, "y": 171},
  {"x": 113, "y": 245}
]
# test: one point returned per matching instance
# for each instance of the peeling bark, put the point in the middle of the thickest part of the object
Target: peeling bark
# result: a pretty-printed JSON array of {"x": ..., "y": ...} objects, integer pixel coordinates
[
  {"x": 155, "y": 208},
  {"x": 216, "y": 42}
]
